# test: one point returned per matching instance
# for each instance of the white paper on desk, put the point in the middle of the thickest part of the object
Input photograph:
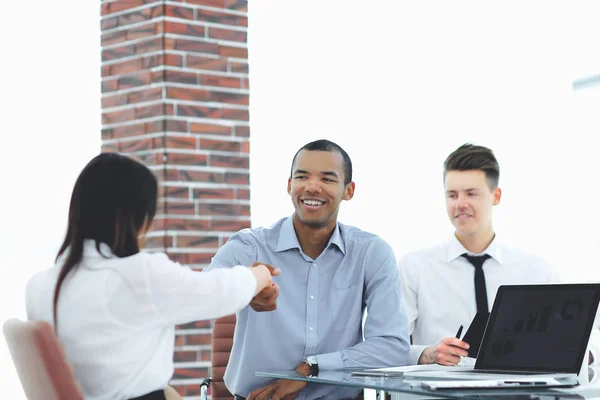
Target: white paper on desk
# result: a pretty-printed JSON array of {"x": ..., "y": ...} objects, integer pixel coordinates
[
  {"x": 465, "y": 364},
  {"x": 409, "y": 368},
  {"x": 475, "y": 384}
]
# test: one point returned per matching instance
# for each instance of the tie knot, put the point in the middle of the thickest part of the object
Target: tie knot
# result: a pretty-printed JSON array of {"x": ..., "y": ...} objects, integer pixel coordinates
[{"x": 476, "y": 261}]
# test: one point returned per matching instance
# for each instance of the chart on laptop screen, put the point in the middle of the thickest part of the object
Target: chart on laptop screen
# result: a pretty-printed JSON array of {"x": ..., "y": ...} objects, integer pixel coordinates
[{"x": 543, "y": 328}]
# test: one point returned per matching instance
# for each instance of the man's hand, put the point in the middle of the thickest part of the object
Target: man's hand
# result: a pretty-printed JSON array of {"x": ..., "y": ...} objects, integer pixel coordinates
[
  {"x": 274, "y": 271},
  {"x": 266, "y": 299},
  {"x": 448, "y": 352},
  {"x": 278, "y": 390},
  {"x": 282, "y": 388}
]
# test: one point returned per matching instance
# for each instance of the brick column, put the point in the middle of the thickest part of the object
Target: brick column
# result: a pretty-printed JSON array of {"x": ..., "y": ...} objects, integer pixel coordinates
[{"x": 175, "y": 95}]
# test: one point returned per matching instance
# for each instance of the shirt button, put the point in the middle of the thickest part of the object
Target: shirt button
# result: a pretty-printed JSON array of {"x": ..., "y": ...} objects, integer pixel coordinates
[
  {"x": 314, "y": 265},
  {"x": 312, "y": 296},
  {"x": 310, "y": 328}
]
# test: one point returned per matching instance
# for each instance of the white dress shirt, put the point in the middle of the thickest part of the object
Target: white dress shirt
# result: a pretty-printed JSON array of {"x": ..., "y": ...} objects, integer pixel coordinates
[
  {"x": 117, "y": 316},
  {"x": 439, "y": 290}
]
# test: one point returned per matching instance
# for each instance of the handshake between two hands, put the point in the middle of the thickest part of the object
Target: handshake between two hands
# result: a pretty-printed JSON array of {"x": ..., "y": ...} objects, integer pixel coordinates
[{"x": 265, "y": 297}]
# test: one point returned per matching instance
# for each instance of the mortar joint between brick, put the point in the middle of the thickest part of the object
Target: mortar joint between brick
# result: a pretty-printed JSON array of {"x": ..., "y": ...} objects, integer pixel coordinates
[
  {"x": 230, "y": 43},
  {"x": 205, "y": 87},
  {"x": 212, "y": 104},
  {"x": 133, "y": 41},
  {"x": 132, "y": 122},
  {"x": 132, "y": 25},
  {"x": 194, "y": 364},
  {"x": 130, "y": 10},
  {"x": 130, "y": 58},
  {"x": 205, "y": 24},
  {"x": 134, "y": 138},
  {"x": 209, "y": 8},
  {"x": 132, "y": 90},
  {"x": 131, "y": 106}
]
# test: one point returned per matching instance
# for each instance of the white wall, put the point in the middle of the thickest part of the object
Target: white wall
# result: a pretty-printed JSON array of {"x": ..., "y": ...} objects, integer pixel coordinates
[
  {"x": 50, "y": 129},
  {"x": 402, "y": 84},
  {"x": 427, "y": 76}
]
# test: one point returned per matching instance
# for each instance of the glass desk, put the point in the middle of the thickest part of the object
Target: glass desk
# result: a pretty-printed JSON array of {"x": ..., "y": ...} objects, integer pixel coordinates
[{"x": 412, "y": 390}]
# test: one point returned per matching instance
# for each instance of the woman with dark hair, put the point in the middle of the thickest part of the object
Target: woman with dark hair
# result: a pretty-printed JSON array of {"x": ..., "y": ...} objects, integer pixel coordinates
[{"x": 115, "y": 308}]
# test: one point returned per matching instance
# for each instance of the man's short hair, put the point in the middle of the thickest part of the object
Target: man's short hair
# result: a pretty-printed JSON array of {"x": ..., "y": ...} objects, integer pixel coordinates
[
  {"x": 330, "y": 147},
  {"x": 472, "y": 157}
]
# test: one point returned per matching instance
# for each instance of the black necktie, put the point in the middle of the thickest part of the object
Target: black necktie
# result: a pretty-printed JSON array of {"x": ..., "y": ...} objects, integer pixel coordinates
[{"x": 480, "y": 290}]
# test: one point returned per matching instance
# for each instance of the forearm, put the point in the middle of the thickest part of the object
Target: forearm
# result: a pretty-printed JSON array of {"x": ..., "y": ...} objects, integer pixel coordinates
[
  {"x": 202, "y": 295},
  {"x": 375, "y": 352}
]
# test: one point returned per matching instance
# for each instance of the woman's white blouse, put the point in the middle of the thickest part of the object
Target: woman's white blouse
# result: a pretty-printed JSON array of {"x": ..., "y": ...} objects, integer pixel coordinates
[{"x": 117, "y": 316}]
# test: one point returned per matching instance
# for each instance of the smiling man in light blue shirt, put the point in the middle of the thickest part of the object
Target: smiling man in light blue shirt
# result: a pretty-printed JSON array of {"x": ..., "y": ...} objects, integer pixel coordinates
[{"x": 311, "y": 318}]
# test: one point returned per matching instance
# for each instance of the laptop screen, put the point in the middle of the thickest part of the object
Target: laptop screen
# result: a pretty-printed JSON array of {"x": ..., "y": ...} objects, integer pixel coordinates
[{"x": 539, "y": 328}]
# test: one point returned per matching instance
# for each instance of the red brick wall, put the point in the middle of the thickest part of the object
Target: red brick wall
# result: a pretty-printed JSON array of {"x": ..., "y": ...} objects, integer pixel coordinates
[{"x": 175, "y": 94}]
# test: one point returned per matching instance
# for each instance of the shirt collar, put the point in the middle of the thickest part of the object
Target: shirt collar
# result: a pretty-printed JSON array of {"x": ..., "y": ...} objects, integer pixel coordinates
[
  {"x": 289, "y": 240},
  {"x": 90, "y": 250},
  {"x": 455, "y": 249}
]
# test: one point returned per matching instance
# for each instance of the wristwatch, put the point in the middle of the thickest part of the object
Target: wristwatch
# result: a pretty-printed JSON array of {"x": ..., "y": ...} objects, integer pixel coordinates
[{"x": 311, "y": 361}]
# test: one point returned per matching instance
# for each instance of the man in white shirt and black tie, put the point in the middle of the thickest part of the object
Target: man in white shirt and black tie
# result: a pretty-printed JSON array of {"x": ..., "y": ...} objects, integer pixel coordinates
[{"x": 446, "y": 285}]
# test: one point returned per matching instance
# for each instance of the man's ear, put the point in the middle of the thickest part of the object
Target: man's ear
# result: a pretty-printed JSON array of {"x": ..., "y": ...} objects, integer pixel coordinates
[
  {"x": 497, "y": 195},
  {"x": 289, "y": 185},
  {"x": 349, "y": 191}
]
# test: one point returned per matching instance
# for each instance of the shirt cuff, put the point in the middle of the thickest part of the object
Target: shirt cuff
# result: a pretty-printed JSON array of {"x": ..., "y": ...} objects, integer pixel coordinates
[
  {"x": 330, "y": 361},
  {"x": 245, "y": 291},
  {"x": 414, "y": 353}
]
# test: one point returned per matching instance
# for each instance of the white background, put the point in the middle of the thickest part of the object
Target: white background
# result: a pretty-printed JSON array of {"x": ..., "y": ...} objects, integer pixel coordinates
[{"x": 398, "y": 84}]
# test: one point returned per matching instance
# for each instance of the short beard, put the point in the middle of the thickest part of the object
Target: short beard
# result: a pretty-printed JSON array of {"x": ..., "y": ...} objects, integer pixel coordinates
[{"x": 315, "y": 224}]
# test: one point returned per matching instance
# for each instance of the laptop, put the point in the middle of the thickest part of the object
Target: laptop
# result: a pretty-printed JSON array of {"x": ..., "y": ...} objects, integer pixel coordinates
[{"x": 539, "y": 330}]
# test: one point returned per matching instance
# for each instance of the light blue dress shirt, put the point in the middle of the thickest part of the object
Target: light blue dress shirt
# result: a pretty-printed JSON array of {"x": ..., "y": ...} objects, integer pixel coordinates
[{"x": 319, "y": 308}]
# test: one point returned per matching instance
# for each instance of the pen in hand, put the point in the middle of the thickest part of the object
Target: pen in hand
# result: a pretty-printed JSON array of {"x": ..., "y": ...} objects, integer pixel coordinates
[{"x": 459, "y": 332}]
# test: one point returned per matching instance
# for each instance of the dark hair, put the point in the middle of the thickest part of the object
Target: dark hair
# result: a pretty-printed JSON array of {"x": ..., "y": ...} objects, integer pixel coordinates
[
  {"x": 471, "y": 157},
  {"x": 329, "y": 146},
  {"x": 113, "y": 199}
]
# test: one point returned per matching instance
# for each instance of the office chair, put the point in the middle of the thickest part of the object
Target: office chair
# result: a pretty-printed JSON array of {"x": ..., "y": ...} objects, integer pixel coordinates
[
  {"x": 41, "y": 366},
  {"x": 40, "y": 362},
  {"x": 221, "y": 343}
]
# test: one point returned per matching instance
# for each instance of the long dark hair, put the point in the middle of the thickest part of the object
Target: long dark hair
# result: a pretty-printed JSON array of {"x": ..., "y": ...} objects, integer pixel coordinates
[{"x": 114, "y": 198}]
